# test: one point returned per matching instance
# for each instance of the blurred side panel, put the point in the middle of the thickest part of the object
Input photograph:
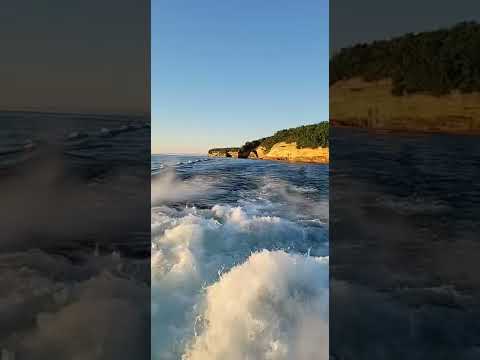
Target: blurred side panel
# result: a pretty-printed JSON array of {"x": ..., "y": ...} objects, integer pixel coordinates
[
  {"x": 404, "y": 180},
  {"x": 75, "y": 179}
]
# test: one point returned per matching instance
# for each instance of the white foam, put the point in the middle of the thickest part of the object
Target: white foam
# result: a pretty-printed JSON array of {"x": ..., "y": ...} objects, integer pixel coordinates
[
  {"x": 166, "y": 187},
  {"x": 273, "y": 306},
  {"x": 228, "y": 282},
  {"x": 191, "y": 248},
  {"x": 78, "y": 311}
]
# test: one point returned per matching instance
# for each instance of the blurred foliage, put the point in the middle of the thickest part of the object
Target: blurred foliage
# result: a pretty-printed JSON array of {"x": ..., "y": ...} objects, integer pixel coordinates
[
  {"x": 310, "y": 136},
  {"x": 435, "y": 62},
  {"x": 223, "y": 151}
]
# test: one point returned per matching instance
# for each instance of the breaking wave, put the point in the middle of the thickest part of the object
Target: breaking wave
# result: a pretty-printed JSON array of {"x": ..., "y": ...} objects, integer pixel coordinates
[
  {"x": 245, "y": 278},
  {"x": 47, "y": 300},
  {"x": 273, "y": 306}
]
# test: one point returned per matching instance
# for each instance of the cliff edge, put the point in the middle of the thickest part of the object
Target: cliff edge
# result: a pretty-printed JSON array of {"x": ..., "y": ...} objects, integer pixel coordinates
[
  {"x": 358, "y": 103},
  {"x": 420, "y": 82},
  {"x": 283, "y": 151},
  {"x": 304, "y": 144},
  {"x": 224, "y": 152}
]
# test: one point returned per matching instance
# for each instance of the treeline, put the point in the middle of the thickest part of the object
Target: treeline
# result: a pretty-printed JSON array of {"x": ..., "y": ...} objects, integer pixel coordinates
[
  {"x": 435, "y": 62},
  {"x": 248, "y": 147},
  {"x": 311, "y": 136},
  {"x": 223, "y": 150}
]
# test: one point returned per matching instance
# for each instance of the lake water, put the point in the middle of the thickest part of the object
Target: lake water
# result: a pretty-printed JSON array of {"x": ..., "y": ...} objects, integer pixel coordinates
[
  {"x": 404, "y": 233},
  {"x": 239, "y": 259},
  {"x": 75, "y": 236}
]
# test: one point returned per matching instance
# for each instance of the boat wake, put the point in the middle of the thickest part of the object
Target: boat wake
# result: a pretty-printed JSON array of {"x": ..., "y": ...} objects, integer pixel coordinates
[{"x": 239, "y": 279}]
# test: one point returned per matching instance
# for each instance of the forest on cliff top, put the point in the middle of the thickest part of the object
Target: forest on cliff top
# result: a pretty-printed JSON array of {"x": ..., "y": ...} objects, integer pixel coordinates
[
  {"x": 434, "y": 62},
  {"x": 307, "y": 136}
]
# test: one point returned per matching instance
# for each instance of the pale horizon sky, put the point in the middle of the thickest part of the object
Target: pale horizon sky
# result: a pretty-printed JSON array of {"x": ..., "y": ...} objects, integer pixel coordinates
[
  {"x": 225, "y": 72},
  {"x": 52, "y": 61}
]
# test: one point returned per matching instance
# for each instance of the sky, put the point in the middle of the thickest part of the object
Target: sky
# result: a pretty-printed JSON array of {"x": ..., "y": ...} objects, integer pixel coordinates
[
  {"x": 81, "y": 56},
  {"x": 354, "y": 21},
  {"x": 228, "y": 71}
]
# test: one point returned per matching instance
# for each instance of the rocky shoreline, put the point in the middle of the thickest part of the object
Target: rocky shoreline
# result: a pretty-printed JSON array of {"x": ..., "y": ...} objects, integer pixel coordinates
[{"x": 281, "y": 151}]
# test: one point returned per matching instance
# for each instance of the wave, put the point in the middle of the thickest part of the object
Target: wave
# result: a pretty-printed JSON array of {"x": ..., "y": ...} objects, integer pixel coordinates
[
  {"x": 166, "y": 187},
  {"x": 47, "y": 300},
  {"x": 412, "y": 205},
  {"x": 107, "y": 132},
  {"x": 205, "y": 259},
  {"x": 282, "y": 315},
  {"x": 294, "y": 201},
  {"x": 239, "y": 267},
  {"x": 159, "y": 163}
]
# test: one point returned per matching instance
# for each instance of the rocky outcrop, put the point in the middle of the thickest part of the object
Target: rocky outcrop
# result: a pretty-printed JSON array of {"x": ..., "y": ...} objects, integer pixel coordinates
[
  {"x": 358, "y": 103},
  {"x": 306, "y": 143},
  {"x": 289, "y": 152},
  {"x": 230, "y": 153},
  {"x": 257, "y": 153},
  {"x": 281, "y": 151}
]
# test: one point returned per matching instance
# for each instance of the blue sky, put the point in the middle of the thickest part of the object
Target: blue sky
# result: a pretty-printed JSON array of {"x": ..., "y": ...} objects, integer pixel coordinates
[{"x": 228, "y": 71}]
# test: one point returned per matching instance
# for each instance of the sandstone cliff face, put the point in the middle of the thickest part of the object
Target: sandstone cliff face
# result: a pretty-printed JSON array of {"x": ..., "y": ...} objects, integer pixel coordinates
[
  {"x": 283, "y": 152},
  {"x": 258, "y": 153},
  {"x": 229, "y": 153},
  {"x": 358, "y": 103},
  {"x": 288, "y": 152}
]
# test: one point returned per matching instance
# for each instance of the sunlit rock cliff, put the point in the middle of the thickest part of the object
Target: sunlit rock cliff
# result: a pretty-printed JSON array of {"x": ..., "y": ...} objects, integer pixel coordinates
[
  {"x": 422, "y": 82},
  {"x": 224, "y": 152},
  {"x": 358, "y": 103},
  {"x": 306, "y": 144}
]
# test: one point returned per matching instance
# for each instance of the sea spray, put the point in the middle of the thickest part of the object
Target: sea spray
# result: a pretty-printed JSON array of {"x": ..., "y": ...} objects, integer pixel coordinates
[
  {"x": 88, "y": 307},
  {"x": 192, "y": 248},
  {"x": 239, "y": 260},
  {"x": 273, "y": 306},
  {"x": 166, "y": 187}
]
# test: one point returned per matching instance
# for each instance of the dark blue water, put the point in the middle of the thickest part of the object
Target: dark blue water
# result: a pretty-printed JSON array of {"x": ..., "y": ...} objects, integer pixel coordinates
[
  {"x": 75, "y": 235},
  {"x": 242, "y": 234},
  {"x": 65, "y": 165},
  {"x": 405, "y": 225},
  {"x": 83, "y": 140}
]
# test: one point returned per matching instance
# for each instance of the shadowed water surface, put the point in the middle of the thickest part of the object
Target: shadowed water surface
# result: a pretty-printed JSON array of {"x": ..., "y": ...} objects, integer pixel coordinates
[
  {"x": 405, "y": 225},
  {"x": 75, "y": 243}
]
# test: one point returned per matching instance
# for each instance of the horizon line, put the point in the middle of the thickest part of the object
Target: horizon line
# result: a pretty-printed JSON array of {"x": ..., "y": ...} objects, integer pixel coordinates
[
  {"x": 70, "y": 112},
  {"x": 177, "y": 153}
]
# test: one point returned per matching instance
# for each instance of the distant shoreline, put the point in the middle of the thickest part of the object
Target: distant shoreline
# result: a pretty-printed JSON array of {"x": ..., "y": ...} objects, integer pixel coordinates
[
  {"x": 71, "y": 112},
  {"x": 412, "y": 83},
  {"x": 293, "y": 161},
  {"x": 357, "y": 103},
  {"x": 285, "y": 152},
  {"x": 306, "y": 144},
  {"x": 404, "y": 131},
  {"x": 177, "y": 154}
]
